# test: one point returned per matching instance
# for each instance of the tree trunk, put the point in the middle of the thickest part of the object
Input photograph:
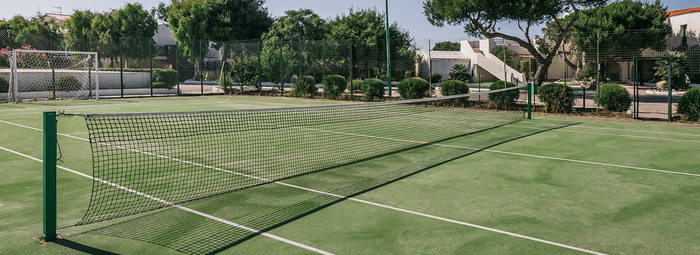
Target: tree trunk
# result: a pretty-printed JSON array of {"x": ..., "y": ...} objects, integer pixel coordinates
[{"x": 541, "y": 73}]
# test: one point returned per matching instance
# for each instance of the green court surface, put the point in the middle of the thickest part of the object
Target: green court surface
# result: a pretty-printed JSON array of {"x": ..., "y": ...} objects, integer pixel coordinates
[{"x": 551, "y": 185}]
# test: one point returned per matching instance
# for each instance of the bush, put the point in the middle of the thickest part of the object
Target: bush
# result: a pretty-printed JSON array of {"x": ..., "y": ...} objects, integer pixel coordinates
[
  {"x": 455, "y": 87},
  {"x": 409, "y": 74},
  {"x": 4, "y": 85},
  {"x": 245, "y": 71},
  {"x": 413, "y": 88},
  {"x": 589, "y": 73},
  {"x": 355, "y": 84},
  {"x": 303, "y": 86},
  {"x": 557, "y": 97},
  {"x": 164, "y": 78},
  {"x": 435, "y": 77},
  {"x": 460, "y": 72},
  {"x": 333, "y": 86},
  {"x": 505, "y": 99},
  {"x": 694, "y": 78},
  {"x": 373, "y": 89},
  {"x": 613, "y": 97},
  {"x": 678, "y": 69},
  {"x": 66, "y": 83},
  {"x": 690, "y": 104}
]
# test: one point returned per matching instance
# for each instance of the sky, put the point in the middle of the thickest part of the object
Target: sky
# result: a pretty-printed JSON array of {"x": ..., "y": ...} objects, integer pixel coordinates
[{"x": 407, "y": 13}]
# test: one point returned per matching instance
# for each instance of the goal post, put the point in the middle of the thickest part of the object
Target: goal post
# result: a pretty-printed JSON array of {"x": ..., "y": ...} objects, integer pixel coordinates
[{"x": 41, "y": 74}]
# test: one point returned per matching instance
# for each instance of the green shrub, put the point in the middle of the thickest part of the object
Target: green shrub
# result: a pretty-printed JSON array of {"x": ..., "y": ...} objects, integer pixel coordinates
[
  {"x": 505, "y": 99},
  {"x": 678, "y": 69},
  {"x": 460, "y": 72},
  {"x": 588, "y": 73},
  {"x": 435, "y": 77},
  {"x": 245, "y": 72},
  {"x": 409, "y": 74},
  {"x": 455, "y": 87},
  {"x": 355, "y": 84},
  {"x": 690, "y": 104},
  {"x": 557, "y": 97},
  {"x": 373, "y": 89},
  {"x": 333, "y": 86},
  {"x": 613, "y": 97},
  {"x": 413, "y": 88},
  {"x": 66, "y": 83},
  {"x": 303, "y": 86},
  {"x": 4, "y": 85},
  {"x": 164, "y": 78}
]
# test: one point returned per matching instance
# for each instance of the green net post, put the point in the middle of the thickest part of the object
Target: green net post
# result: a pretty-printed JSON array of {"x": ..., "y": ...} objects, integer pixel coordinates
[
  {"x": 529, "y": 101},
  {"x": 49, "y": 176},
  {"x": 670, "y": 92}
]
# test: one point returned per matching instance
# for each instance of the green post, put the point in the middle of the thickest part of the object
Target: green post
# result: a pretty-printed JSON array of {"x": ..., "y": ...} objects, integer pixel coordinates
[
  {"x": 529, "y": 101},
  {"x": 49, "y": 176},
  {"x": 177, "y": 67},
  {"x": 388, "y": 50},
  {"x": 121, "y": 68},
  {"x": 150, "y": 69},
  {"x": 670, "y": 93}
]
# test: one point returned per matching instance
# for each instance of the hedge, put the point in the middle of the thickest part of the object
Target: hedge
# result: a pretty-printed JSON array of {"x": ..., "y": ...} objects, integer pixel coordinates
[
  {"x": 413, "y": 88},
  {"x": 66, "y": 83},
  {"x": 689, "y": 105},
  {"x": 4, "y": 85},
  {"x": 373, "y": 89},
  {"x": 303, "y": 86},
  {"x": 613, "y": 97},
  {"x": 455, "y": 87},
  {"x": 505, "y": 99},
  {"x": 557, "y": 97},
  {"x": 164, "y": 78},
  {"x": 333, "y": 86}
]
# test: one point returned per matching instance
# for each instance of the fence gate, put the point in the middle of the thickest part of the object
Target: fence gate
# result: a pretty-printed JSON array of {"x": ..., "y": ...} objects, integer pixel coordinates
[{"x": 653, "y": 100}]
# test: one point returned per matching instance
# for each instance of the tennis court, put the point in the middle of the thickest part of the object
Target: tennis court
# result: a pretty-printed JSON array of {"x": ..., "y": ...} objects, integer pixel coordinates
[{"x": 549, "y": 185}]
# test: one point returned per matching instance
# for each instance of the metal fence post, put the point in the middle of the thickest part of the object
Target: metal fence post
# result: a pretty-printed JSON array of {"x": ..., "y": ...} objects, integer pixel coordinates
[
  {"x": 670, "y": 92},
  {"x": 49, "y": 186}
]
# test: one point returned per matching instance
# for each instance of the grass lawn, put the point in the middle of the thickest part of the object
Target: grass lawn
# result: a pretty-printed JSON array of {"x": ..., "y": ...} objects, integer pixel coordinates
[{"x": 551, "y": 185}]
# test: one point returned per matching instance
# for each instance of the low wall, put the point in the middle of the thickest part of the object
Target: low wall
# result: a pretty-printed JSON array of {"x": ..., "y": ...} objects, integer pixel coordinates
[{"x": 108, "y": 80}]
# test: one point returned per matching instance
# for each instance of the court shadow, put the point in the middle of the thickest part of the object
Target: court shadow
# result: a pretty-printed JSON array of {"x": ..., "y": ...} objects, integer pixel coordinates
[
  {"x": 266, "y": 207},
  {"x": 81, "y": 247}
]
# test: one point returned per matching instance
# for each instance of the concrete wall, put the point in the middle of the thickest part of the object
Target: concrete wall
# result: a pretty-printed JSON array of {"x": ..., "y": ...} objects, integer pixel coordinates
[
  {"x": 108, "y": 80},
  {"x": 692, "y": 20}
]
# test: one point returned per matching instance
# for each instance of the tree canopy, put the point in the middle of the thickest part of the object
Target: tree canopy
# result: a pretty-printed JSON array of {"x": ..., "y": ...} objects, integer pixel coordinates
[
  {"x": 302, "y": 24},
  {"x": 34, "y": 32},
  {"x": 481, "y": 18},
  {"x": 447, "y": 46}
]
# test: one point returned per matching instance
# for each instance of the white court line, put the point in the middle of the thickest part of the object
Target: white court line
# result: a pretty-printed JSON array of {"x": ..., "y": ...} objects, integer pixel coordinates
[
  {"x": 594, "y": 133},
  {"x": 300, "y": 245},
  {"x": 355, "y": 199}
]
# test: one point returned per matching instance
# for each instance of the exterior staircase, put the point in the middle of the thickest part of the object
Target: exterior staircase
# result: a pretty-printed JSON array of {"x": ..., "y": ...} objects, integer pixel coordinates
[{"x": 481, "y": 57}]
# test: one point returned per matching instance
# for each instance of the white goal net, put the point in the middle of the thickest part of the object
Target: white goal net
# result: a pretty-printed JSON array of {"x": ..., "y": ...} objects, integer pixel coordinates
[{"x": 52, "y": 75}]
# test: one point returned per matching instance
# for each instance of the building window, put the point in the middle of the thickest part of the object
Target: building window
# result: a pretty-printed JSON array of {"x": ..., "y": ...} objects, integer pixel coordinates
[{"x": 684, "y": 35}]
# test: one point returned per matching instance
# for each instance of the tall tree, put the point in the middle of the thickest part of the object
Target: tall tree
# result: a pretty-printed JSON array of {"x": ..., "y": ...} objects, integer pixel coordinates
[
  {"x": 302, "y": 24},
  {"x": 481, "y": 17},
  {"x": 35, "y": 32},
  {"x": 366, "y": 29},
  {"x": 195, "y": 22},
  {"x": 79, "y": 34},
  {"x": 615, "y": 32},
  {"x": 136, "y": 28},
  {"x": 447, "y": 46}
]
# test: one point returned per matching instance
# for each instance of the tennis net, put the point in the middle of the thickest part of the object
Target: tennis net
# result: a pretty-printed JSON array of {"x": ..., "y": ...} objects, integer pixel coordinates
[{"x": 185, "y": 156}]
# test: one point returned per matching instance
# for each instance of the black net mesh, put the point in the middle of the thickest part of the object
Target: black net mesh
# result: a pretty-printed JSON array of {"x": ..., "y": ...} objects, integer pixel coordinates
[{"x": 152, "y": 160}]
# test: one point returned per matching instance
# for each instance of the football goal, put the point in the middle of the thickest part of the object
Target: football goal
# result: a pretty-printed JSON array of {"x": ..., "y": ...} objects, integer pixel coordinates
[{"x": 52, "y": 75}]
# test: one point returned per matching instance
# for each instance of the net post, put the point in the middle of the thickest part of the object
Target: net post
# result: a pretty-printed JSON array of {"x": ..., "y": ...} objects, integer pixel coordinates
[
  {"x": 529, "y": 100},
  {"x": 49, "y": 186}
]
